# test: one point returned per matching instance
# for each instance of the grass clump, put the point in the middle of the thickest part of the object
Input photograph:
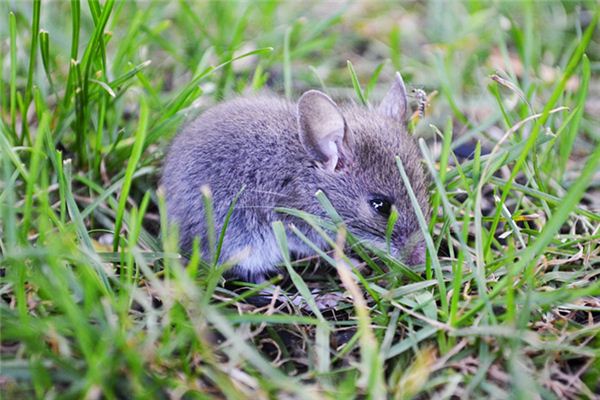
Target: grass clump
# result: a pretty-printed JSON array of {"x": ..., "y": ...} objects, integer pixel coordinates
[{"x": 95, "y": 301}]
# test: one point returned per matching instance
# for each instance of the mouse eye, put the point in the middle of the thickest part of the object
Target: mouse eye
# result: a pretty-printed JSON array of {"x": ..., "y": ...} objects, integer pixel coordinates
[{"x": 382, "y": 206}]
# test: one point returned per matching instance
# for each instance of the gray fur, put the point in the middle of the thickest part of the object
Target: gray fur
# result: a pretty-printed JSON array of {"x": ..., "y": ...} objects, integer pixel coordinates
[{"x": 256, "y": 143}]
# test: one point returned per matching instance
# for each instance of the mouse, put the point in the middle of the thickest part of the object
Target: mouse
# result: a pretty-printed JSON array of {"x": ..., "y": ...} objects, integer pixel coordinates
[{"x": 272, "y": 153}]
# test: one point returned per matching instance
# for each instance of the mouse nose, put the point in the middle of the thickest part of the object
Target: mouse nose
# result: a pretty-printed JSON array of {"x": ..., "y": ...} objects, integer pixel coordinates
[
  {"x": 414, "y": 249},
  {"x": 417, "y": 254}
]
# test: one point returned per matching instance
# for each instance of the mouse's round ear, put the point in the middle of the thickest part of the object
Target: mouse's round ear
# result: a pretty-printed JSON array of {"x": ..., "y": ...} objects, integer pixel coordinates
[
  {"x": 395, "y": 102},
  {"x": 323, "y": 131}
]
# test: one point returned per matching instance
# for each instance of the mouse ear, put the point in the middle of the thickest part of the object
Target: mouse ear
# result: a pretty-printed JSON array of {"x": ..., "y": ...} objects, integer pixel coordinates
[
  {"x": 395, "y": 102},
  {"x": 323, "y": 130}
]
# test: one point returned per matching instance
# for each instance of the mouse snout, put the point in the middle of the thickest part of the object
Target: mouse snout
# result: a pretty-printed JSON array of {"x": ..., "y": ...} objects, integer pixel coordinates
[
  {"x": 416, "y": 255},
  {"x": 414, "y": 251},
  {"x": 411, "y": 249}
]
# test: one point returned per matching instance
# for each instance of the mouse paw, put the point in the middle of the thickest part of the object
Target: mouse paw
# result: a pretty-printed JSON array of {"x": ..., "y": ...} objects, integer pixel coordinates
[
  {"x": 329, "y": 300},
  {"x": 325, "y": 301}
]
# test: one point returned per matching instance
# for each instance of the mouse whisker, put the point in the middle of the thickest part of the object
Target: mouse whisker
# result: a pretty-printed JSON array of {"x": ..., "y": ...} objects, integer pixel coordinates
[
  {"x": 269, "y": 192},
  {"x": 253, "y": 207}
]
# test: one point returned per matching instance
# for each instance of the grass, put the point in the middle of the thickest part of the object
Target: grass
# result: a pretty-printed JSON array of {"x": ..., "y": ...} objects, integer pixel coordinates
[{"x": 95, "y": 302}]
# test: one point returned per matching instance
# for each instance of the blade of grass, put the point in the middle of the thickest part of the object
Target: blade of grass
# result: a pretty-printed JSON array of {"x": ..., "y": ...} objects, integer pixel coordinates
[
  {"x": 390, "y": 228},
  {"x": 427, "y": 236},
  {"x": 282, "y": 242},
  {"x": 12, "y": 23},
  {"x": 45, "y": 52},
  {"x": 371, "y": 363},
  {"x": 9, "y": 237},
  {"x": 225, "y": 224},
  {"x": 82, "y": 232},
  {"x": 34, "y": 171},
  {"x": 10, "y": 154},
  {"x": 35, "y": 30},
  {"x": 287, "y": 64},
  {"x": 567, "y": 140},
  {"x": 373, "y": 80},
  {"x": 356, "y": 84},
  {"x": 134, "y": 158},
  {"x": 209, "y": 219}
]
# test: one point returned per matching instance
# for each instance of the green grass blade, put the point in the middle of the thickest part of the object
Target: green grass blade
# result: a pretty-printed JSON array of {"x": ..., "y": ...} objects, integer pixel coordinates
[
  {"x": 35, "y": 31},
  {"x": 373, "y": 80},
  {"x": 136, "y": 153},
  {"x": 12, "y": 23},
  {"x": 356, "y": 84},
  {"x": 224, "y": 227},
  {"x": 34, "y": 171},
  {"x": 427, "y": 236},
  {"x": 45, "y": 52},
  {"x": 282, "y": 242},
  {"x": 287, "y": 64},
  {"x": 568, "y": 139}
]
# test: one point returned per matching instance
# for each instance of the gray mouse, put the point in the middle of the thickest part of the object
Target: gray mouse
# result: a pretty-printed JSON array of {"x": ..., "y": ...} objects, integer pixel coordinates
[{"x": 282, "y": 153}]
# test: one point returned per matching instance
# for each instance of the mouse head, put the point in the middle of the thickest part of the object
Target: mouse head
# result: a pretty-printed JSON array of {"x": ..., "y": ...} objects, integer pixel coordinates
[{"x": 353, "y": 153}]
